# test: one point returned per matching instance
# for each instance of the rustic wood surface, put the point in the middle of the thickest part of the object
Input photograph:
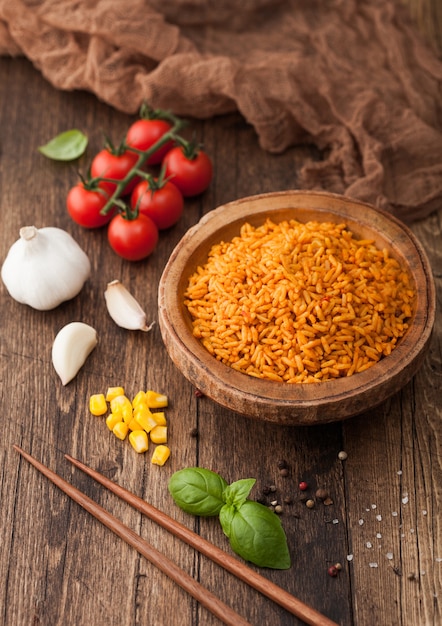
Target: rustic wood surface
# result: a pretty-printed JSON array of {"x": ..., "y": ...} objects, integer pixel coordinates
[{"x": 58, "y": 565}]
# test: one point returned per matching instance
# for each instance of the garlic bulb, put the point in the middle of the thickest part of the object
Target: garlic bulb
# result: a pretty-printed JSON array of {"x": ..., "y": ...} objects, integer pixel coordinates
[
  {"x": 71, "y": 347},
  {"x": 45, "y": 267},
  {"x": 124, "y": 309}
]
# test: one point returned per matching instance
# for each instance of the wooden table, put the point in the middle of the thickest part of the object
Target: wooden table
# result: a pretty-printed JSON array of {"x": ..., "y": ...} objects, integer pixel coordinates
[{"x": 58, "y": 565}]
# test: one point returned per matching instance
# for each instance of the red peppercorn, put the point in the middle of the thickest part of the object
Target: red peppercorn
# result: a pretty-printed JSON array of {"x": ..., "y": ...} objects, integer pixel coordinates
[
  {"x": 332, "y": 570},
  {"x": 303, "y": 485}
]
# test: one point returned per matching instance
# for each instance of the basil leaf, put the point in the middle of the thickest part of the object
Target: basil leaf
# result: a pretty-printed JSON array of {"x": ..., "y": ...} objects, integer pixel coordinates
[
  {"x": 66, "y": 146},
  {"x": 256, "y": 534},
  {"x": 198, "y": 491},
  {"x": 236, "y": 493}
]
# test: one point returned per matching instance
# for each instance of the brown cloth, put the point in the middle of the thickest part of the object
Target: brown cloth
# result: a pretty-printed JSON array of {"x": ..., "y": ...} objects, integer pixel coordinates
[{"x": 351, "y": 76}]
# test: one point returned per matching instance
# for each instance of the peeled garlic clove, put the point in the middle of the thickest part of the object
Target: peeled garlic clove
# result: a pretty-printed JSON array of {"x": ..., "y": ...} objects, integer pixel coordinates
[
  {"x": 71, "y": 347},
  {"x": 124, "y": 309}
]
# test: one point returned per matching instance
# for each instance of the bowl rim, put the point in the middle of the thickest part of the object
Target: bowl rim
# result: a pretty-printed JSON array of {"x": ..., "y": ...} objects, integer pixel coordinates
[{"x": 283, "y": 402}]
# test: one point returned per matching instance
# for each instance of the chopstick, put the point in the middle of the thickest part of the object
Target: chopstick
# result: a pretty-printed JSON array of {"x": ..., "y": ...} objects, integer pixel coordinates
[
  {"x": 241, "y": 571},
  {"x": 224, "y": 612},
  {"x": 220, "y": 557}
]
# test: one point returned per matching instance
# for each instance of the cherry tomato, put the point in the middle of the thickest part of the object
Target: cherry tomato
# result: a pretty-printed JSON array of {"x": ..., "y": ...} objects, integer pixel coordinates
[
  {"x": 84, "y": 206},
  {"x": 191, "y": 173},
  {"x": 164, "y": 205},
  {"x": 106, "y": 164},
  {"x": 132, "y": 239},
  {"x": 143, "y": 134}
]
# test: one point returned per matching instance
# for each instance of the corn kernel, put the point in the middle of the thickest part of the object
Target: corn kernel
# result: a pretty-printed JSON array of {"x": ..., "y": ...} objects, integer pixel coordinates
[
  {"x": 160, "y": 418},
  {"x": 139, "y": 397},
  {"x": 145, "y": 420},
  {"x": 141, "y": 409},
  {"x": 112, "y": 419},
  {"x": 139, "y": 440},
  {"x": 123, "y": 406},
  {"x": 155, "y": 400},
  {"x": 158, "y": 434},
  {"x": 160, "y": 455},
  {"x": 133, "y": 424},
  {"x": 120, "y": 430},
  {"x": 97, "y": 404},
  {"x": 113, "y": 392}
]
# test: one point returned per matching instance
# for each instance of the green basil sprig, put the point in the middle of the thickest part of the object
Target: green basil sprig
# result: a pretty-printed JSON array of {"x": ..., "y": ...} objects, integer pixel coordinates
[
  {"x": 254, "y": 531},
  {"x": 66, "y": 146}
]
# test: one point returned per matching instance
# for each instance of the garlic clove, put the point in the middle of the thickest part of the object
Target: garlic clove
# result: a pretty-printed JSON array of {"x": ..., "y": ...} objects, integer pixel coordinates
[
  {"x": 72, "y": 346},
  {"x": 124, "y": 309}
]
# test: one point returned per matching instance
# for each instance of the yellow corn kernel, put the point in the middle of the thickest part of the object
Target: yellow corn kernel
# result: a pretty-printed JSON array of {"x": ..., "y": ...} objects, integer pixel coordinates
[
  {"x": 160, "y": 455},
  {"x": 155, "y": 400},
  {"x": 158, "y": 434},
  {"x": 141, "y": 409},
  {"x": 123, "y": 406},
  {"x": 139, "y": 440},
  {"x": 112, "y": 419},
  {"x": 120, "y": 430},
  {"x": 145, "y": 420},
  {"x": 97, "y": 404},
  {"x": 160, "y": 418},
  {"x": 139, "y": 397},
  {"x": 113, "y": 392},
  {"x": 133, "y": 424}
]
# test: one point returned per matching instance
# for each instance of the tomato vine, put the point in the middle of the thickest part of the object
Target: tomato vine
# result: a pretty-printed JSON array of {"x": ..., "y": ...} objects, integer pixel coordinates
[{"x": 131, "y": 192}]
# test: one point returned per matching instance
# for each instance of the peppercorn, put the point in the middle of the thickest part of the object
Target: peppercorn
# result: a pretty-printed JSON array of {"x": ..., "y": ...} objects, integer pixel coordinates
[
  {"x": 342, "y": 455},
  {"x": 194, "y": 432},
  {"x": 288, "y": 500},
  {"x": 198, "y": 393},
  {"x": 284, "y": 471},
  {"x": 321, "y": 494},
  {"x": 272, "y": 488},
  {"x": 310, "y": 503},
  {"x": 303, "y": 485},
  {"x": 266, "y": 490},
  {"x": 282, "y": 464},
  {"x": 278, "y": 509},
  {"x": 332, "y": 570}
]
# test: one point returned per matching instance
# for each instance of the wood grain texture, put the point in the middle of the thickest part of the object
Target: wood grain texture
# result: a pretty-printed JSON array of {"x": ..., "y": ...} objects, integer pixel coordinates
[{"x": 59, "y": 566}]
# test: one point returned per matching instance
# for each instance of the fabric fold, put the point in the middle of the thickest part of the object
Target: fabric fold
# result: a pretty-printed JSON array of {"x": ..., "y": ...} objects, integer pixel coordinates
[{"x": 353, "y": 78}]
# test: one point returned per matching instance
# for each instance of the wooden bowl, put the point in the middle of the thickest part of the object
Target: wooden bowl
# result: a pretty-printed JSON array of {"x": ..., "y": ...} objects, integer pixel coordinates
[{"x": 298, "y": 403}]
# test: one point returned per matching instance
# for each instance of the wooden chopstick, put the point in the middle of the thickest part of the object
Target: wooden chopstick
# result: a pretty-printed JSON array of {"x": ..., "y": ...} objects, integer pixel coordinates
[
  {"x": 225, "y": 613},
  {"x": 241, "y": 571}
]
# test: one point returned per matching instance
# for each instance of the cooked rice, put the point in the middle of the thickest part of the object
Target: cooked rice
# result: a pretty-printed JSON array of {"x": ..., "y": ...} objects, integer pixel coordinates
[{"x": 299, "y": 303}]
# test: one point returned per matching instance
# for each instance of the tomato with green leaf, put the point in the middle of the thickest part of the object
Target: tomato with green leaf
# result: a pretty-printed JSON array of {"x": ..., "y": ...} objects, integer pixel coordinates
[
  {"x": 85, "y": 204},
  {"x": 160, "y": 200},
  {"x": 150, "y": 129},
  {"x": 115, "y": 164},
  {"x": 189, "y": 168},
  {"x": 132, "y": 237},
  {"x": 144, "y": 134}
]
